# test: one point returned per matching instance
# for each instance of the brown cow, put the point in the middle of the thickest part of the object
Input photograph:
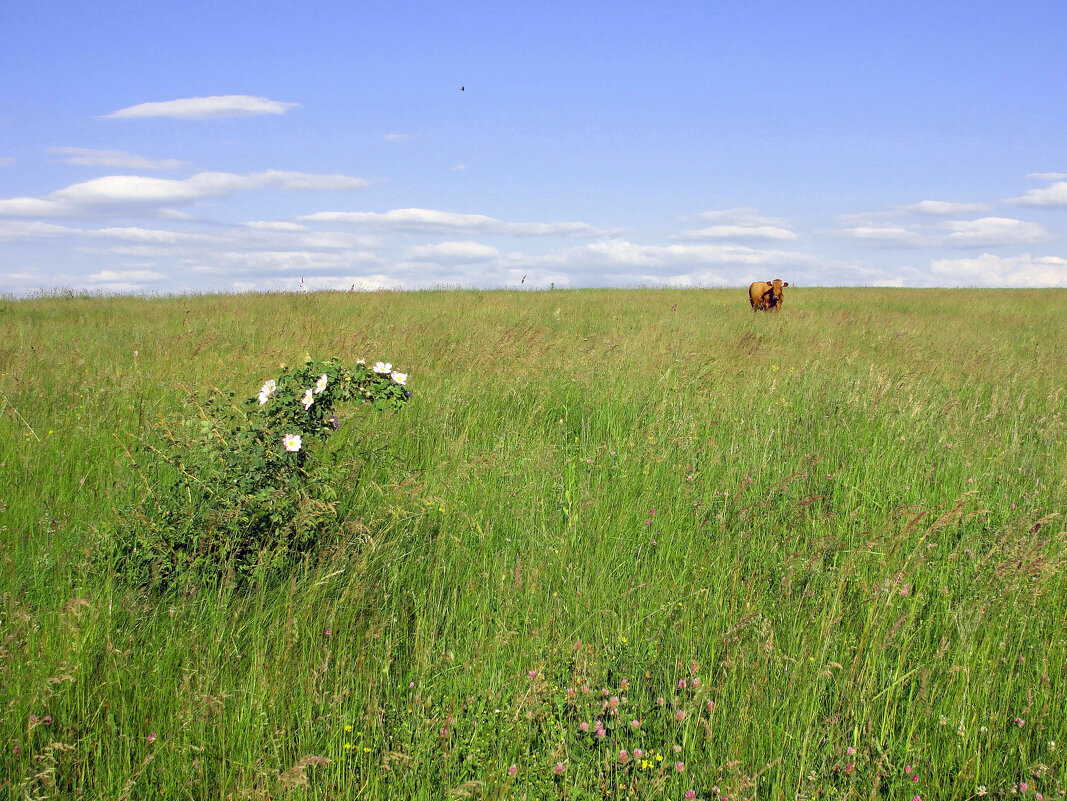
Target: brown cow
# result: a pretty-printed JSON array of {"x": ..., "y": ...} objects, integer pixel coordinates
[{"x": 767, "y": 295}]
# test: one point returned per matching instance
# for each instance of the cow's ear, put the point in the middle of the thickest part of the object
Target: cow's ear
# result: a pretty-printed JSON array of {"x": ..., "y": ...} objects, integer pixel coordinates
[{"x": 785, "y": 284}]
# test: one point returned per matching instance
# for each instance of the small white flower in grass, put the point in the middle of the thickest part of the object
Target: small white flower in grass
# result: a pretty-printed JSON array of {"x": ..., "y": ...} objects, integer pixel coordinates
[
  {"x": 292, "y": 442},
  {"x": 309, "y": 398},
  {"x": 266, "y": 392},
  {"x": 383, "y": 368},
  {"x": 400, "y": 378},
  {"x": 320, "y": 385}
]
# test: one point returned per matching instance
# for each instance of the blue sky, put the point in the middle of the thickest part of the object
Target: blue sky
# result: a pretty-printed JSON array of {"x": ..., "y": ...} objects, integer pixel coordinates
[{"x": 176, "y": 147}]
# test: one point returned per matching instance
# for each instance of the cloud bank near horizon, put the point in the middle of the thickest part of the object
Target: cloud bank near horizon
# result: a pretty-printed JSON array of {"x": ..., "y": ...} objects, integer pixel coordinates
[{"x": 108, "y": 249}]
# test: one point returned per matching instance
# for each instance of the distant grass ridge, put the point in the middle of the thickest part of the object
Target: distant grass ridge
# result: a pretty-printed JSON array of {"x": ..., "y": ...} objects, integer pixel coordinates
[{"x": 819, "y": 554}]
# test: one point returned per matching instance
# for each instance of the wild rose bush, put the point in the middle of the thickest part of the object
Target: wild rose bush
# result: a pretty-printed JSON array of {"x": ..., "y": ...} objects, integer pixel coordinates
[{"x": 240, "y": 489}]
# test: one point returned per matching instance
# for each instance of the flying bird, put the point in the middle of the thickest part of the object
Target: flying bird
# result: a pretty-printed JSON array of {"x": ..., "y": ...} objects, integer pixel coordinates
[
  {"x": 523, "y": 281},
  {"x": 463, "y": 88}
]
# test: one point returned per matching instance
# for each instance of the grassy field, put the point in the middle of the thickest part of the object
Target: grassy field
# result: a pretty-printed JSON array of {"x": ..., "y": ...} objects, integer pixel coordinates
[{"x": 619, "y": 544}]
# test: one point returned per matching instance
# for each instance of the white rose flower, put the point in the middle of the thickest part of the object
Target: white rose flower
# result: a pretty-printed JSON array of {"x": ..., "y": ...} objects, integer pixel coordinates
[
  {"x": 383, "y": 368},
  {"x": 292, "y": 442},
  {"x": 266, "y": 392},
  {"x": 308, "y": 399},
  {"x": 320, "y": 385},
  {"x": 400, "y": 378}
]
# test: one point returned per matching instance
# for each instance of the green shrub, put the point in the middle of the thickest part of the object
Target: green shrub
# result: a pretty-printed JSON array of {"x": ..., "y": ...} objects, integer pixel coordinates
[{"x": 235, "y": 490}]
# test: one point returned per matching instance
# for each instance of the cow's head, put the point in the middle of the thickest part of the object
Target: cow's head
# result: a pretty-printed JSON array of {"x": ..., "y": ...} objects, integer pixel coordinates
[{"x": 774, "y": 291}]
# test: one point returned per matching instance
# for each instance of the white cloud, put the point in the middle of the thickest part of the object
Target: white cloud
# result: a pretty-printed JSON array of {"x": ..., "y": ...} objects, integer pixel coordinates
[
  {"x": 458, "y": 167},
  {"x": 943, "y": 208},
  {"x": 16, "y": 230},
  {"x": 174, "y": 214},
  {"x": 27, "y": 207},
  {"x": 115, "y": 287},
  {"x": 305, "y": 180},
  {"x": 112, "y": 276},
  {"x": 621, "y": 254},
  {"x": 113, "y": 158},
  {"x": 994, "y": 231},
  {"x": 469, "y": 263},
  {"x": 1048, "y": 176},
  {"x": 27, "y": 279},
  {"x": 883, "y": 235},
  {"x": 317, "y": 283},
  {"x": 740, "y": 223},
  {"x": 397, "y": 137},
  {"x": 152, "y": 253},
  {"x": 271, "y": 236},
  {"x": 275, "y": 226},
  {"x": 742, "y": 216},
  {"x": 834, "y": 272},
  {"x": 334, "y": 240},
  {"x": 452, "y": 252},
  {"x": 735, "y": 232},
  {"x": 983, "y": 232},
  {"x": 204, "y": 108},
  {"x": 1053, "y": 195},
  {"x": 694, "y": 278},
  {"x": 132, "y": 234},
  {"x": 105, "y": 281},
  {"x": 276, "y": 261},
  {"x": 924, "y": 208},
  {"x": 126, "y": 191},
  {"x": 6, "y": 161},
  {"x": 432, "y": 221},
  {"x": 995, "y": 271},
  {"x": 862, "y": 218}
]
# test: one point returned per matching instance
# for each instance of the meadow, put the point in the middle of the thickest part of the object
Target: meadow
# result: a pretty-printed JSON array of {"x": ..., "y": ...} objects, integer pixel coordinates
[{"x": 618, "y": 544}]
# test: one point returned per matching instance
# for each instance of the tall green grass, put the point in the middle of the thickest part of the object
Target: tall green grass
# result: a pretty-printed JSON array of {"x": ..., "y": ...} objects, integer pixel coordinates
[{"x": 845, "y": 520}]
